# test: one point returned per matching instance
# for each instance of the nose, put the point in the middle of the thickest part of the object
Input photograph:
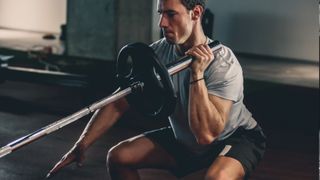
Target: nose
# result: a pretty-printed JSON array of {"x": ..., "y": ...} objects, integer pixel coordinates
[{"x": 163, "y": 22}]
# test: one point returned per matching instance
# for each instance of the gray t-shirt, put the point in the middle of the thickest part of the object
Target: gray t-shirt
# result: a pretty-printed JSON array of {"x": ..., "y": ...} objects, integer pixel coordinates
[{"x": 223, "y": 78}]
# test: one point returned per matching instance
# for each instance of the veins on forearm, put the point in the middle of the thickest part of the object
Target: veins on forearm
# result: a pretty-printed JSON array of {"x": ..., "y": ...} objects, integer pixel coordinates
[{"x": 204, "y": 118}]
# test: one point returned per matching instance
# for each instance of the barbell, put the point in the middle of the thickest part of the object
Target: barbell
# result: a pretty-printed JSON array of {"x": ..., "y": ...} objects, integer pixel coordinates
[
  {"x": 10, "y": 72},
  {"x": 142, "y": 79}
]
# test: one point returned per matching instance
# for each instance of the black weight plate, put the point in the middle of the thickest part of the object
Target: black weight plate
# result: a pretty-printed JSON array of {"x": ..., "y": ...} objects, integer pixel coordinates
[{"x": 137, "y": 62}]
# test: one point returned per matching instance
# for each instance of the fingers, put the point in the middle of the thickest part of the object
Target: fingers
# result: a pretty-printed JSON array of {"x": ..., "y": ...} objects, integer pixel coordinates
[
  {"x": 80, "y": 160},
  {"x": 209, "y": 52},
  {"x": 203, "y": 56},
  {"x": 201, "y": 52},
  {"x": 66, "y": 160}
]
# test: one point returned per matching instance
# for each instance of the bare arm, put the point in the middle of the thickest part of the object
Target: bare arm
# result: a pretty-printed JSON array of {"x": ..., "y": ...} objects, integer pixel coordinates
[
  {"x": 207, "y": 113},
  {"x": 100, "y": 122}
]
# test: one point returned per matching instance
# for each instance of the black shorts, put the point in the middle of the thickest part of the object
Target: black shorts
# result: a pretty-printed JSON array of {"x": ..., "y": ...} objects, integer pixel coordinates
[{"x": 247, "y": 146}]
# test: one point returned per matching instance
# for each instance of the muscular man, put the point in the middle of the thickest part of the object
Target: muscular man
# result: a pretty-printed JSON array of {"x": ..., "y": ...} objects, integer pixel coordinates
[{"x": 210, "y": 127}]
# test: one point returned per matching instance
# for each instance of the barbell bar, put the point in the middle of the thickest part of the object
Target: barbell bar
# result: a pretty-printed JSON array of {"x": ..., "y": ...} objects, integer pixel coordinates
[
  {"x": 9, "y": 72},
  {"x": 172, "y": 68}
]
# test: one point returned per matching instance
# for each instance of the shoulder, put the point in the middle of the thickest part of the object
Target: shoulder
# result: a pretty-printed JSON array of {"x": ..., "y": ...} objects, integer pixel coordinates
[
  {"x": 161, "y": 43},
  {"x": 225, "y": 60},
  {"x": 224, "y": 76},
  {"x": 223, "y": 56},
  {"x": 225, "y": 68},
  {"x": 226, "y": 55},
  {"x": 163, "y": 50}
]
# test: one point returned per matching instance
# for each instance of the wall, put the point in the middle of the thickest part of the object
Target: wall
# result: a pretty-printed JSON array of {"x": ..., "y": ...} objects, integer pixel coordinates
[
  {"x": 134, "y": 22},
  {"x": 99, "y": 29},
  {"x": 155, "y": 21},
  {"x": 33, "y": 15},
  {"x": 91, "y": 29},
  {"x": 281, "y": 28}
]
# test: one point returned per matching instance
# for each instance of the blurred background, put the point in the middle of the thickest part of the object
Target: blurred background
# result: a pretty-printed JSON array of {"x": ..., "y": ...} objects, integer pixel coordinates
[{"x": 57, "y": 56}]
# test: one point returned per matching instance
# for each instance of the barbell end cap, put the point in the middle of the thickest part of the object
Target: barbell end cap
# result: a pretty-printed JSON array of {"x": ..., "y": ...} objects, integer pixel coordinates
[{"x": 5, "y": 151}]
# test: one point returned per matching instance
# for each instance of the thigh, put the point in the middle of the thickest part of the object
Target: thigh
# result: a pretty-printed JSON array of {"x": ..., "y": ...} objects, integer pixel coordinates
[
  {"x": 240, "y": 153},
  {"x": 141, "y": 152},
  {"x": 247, "y": 146}
]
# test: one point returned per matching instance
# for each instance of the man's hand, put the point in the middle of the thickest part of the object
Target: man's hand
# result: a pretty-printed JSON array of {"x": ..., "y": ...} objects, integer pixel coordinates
[
  {"x": 203, "y": 56},
  {"x": 76, "y": 154}
]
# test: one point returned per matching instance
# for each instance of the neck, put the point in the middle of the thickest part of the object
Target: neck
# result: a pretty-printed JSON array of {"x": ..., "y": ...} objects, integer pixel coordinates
[{"x": 196, "y": 38}]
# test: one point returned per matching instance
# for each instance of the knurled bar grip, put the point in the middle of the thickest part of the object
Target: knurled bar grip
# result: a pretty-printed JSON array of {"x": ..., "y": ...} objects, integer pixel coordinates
[{"x": 174, "y": 68}]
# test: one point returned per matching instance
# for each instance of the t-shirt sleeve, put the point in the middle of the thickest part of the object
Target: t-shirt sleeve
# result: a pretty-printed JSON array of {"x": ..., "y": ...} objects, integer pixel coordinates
[{"x": 224, "y": 76}]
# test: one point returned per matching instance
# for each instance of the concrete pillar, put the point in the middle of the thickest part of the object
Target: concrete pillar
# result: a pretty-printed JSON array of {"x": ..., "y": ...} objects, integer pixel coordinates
[
  {"x": 91, "y": 29},
  {"x": 134, "y": 21},
  {"x": 99, "y": 28}
]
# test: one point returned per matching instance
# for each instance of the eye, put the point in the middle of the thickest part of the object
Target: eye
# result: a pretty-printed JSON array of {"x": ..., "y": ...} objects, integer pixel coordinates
[{"x": 171, "y": 14}]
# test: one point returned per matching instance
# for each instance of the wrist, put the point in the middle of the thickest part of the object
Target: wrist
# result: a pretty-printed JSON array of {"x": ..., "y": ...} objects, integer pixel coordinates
[
  {"x": 195, "y": 81},
  {"x": 82, "y": 144},
  {"x": 195, "y": 76}
]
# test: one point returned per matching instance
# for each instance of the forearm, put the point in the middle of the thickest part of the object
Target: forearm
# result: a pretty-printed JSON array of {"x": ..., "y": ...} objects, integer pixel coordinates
[
  {"x": 101, "y": 121},
  {"x": 206, "y": 122}
]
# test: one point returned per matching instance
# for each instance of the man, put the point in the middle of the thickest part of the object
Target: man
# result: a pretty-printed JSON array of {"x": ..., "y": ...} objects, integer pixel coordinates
[{"x": 210, "y": 128}]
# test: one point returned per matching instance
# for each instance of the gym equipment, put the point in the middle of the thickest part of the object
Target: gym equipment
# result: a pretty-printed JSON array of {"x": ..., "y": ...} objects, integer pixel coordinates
[
  {"x": 128, "y": 63},
  {"x": 9, "y": 72},
  {"x": 138, "y": 67}
]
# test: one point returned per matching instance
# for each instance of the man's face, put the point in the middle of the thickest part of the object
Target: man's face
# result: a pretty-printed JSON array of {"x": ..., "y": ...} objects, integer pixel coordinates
[{"x": 175, "y": 21}]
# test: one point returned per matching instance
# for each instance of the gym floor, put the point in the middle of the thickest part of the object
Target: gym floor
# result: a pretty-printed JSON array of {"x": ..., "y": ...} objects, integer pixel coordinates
[{"x": 289, "y": 115}]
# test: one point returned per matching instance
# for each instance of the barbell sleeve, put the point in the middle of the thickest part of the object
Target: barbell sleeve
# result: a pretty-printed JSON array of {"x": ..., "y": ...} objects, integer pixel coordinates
[{"x": 173, "y": 68}]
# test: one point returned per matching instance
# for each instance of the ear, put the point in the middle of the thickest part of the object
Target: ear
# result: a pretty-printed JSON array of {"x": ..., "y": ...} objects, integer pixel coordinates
[{"x": 197, "y": 12}]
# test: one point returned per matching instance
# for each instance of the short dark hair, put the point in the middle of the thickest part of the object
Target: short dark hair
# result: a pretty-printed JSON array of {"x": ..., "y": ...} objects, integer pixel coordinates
[{"x": 190, "y": 4}]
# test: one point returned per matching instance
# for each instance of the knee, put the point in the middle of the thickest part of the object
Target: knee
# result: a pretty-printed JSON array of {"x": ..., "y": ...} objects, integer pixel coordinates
[
  {"x": 117, "y": 156},
  {"x": 113, "y": 156}
]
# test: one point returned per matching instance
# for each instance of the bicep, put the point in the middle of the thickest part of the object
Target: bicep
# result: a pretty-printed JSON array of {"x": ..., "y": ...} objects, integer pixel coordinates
[{"x": 222, "y": 105}]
